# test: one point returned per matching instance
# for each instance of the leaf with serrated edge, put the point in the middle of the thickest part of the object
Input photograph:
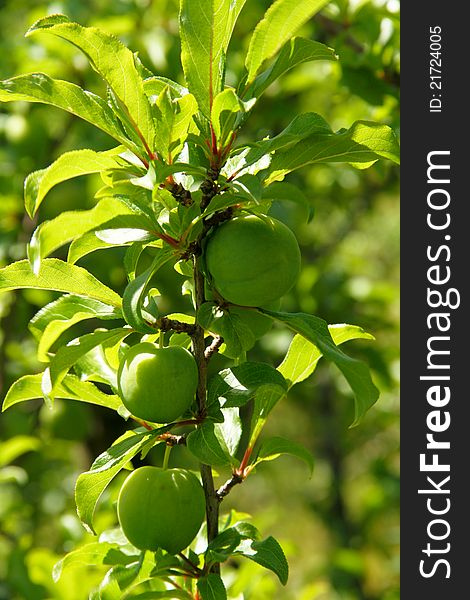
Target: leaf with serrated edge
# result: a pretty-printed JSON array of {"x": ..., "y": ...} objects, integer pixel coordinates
[
  {"x": 58, "y": 276},
  {"x": 38, "y": 87},
  {"x": 211, "y": 587},
  {"x": 113, "y": 61},
  {"x": 29, "y": 387},
  {"x": 361, "y": 146},
  {"x": 279, "y": 24},
  {"x": 355, "y": 371},
  {"x": 67, "y": 166},
  {"x": 68, "y": 355},
  {"x": 267, "y": 553},
  {"x": 207, "y": 444},
  {"x": 295, "y": 52},
  {"x": 205, "y": 30}
]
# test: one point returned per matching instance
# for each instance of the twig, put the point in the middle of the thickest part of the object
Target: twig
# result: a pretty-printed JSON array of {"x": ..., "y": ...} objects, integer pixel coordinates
[
  {"x": 225, "y": 489},
  {"x": 213, "y": 347}
]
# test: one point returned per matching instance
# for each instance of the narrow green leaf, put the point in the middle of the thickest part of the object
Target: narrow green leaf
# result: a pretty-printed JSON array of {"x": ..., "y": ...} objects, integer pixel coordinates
[
  {"x": 205, "y": 30},
  {"x": 208, "y": 446},
  {"x": 67, "y": 166},
  {"x": 113, "y": 61},
  {"x": 281, "y": 21},
  {"x": 211, "y": 587},
  {"x": 302, "y": 357},
  {"x": 29, "y": 387},
  {"x": 95, "y": 553},
  {"x": 57, "y": 316},
  {"x": 302, "y": 126},
  {"x": 173, "y": 122},
  {"x": 269, "y": 554},
  {"x": 276, "y": 446},
  {"x": 59, "y": 276},
  {"x": 294, "y": 52},
  {"x": 361, "y": 145},
  {"x": 91, "y": 484},
  {"x": 227, "y": 110},
  {"x": 69, "y": 225},
  {"x": 356, "y": 372},
  {"x": 38, "y": 87},
  {"x": 153, "y": 86},
  {"x": 266, "y": 398},
  {"x": 134, "y": 294},
  {"x": 68, "y": 355}
]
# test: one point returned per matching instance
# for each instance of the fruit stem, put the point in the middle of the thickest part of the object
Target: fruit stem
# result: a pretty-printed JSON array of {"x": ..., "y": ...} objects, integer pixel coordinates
[
  {"x": 161, "y": 339},
  {"x": 166, "y": 457}
]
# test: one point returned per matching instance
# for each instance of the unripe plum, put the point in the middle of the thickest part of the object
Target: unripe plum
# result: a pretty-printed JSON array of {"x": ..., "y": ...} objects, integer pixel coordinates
[
  {"x": 161, "y": 508},
  {"x": 252, "y": 260},
  {"x": 157, "y": 384}
]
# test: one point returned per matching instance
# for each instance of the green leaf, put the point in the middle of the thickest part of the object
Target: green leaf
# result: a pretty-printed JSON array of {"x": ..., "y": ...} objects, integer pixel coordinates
[
  {"x": 113, "y": 61},
  {"x": 266, "y": 398},
  {"x": 302, "y": 126},
  {"x": 226, "y": 113},
  {"x": 153, "y": 86},
  {"x": 29, "y": 387},
  {"x": 303, "y": 356},
  {"x": 134, "y": 294},
  {"x": 68, "y": 355},
  {"x": 356, "y": 372},
  {"x": 91, "y": 484},
  {"x": 276, "y": 446},
  {"x": 237, "y": 385},
  {"x": 269, "y": 554},
  {"x": 208, "y": 446},
  {"x": 57, "y": 316},
  {"x": 295, "y": 52},
  {"x": 279, "y": 24},
  {"x": 361, "y": 145},
  {"x": 67, "y": 166},
  {"x": 173, "y": 122},
  {"x": 211, "y": 587},
  {"x": 38, "y": 87},
  {"x": 205, "y": 30},
  {"x": 95, "y": 553},
  {"x": 238, "y": 337},
  {"x": 69, "y": 225},
  {"x": 59, "y": 276}
]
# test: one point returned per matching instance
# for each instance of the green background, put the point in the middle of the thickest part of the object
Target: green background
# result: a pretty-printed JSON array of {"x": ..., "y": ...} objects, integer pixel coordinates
[{"x": 339, "y": 529}]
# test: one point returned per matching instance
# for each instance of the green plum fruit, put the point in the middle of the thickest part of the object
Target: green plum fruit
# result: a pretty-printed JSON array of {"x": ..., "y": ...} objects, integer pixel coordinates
[
  {"x": 157, "y": 384},
  {"x": 252, "y": 260},
  {"x": 161, "y": 508}
]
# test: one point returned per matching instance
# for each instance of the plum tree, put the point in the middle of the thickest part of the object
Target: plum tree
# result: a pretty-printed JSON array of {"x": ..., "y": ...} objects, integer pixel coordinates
[
  {"x": 252, "y": 260},
  {"x": 161, "y": 508},
  {"x": 157, "y": 384}
]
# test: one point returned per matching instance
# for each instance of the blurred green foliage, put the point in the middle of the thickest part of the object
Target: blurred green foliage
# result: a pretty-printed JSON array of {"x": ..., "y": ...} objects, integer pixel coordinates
[{"x": 340, "y": 528}]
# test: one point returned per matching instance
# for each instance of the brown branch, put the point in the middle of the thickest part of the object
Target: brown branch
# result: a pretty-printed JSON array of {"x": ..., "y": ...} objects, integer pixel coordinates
[
  {"x": 198, "y": 346},
  {"x": 225, "y": 489},
  {"x": 213, "y": 347},
  {"x": 166, "y": 324}
]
